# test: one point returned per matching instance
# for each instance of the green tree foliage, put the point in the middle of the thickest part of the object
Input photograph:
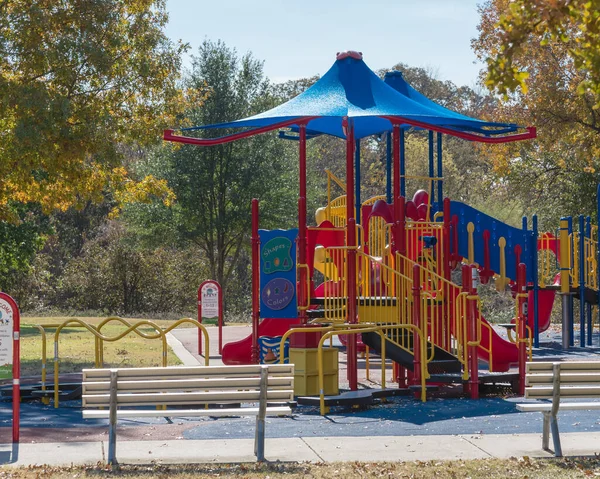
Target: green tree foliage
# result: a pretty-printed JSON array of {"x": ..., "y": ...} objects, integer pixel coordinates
[
  {"x": 573, "y": 23},
  {"x": 114, "y": 275},
  {"x": 215, "y": 185},
  {"x": 19, "y": 244},
  {"x": 556, "y": 174},
  {"x": 77, "y": 78}
]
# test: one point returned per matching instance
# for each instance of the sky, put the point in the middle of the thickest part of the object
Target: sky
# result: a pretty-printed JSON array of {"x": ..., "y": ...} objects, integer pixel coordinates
[{"x": 300, "y": 39}]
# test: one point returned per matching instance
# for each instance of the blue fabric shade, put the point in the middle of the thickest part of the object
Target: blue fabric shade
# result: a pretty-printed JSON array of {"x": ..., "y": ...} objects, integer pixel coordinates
[{"x": 351, "y": 89}]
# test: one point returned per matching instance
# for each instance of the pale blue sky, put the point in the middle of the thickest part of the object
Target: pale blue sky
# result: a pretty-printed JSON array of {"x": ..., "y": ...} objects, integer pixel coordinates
[{"x": 300, "y": 39}]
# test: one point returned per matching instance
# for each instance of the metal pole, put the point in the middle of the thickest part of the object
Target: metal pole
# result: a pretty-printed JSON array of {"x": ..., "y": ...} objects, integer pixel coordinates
[
  {"x": 536, "y": 286},
  {"x": 357, "y": 182},
  {"x": 440, "y": 182},
  {"x": 402, "y": 164},
  {"x": 388, "y": 168},
  {"x": 571, "y": 308},
  {"x": 398, "y": 178},
  {"x": 521, "y": 322},
  {"x": 565, "y": 288},
  {"x": 588, "y": 306},
  {"x": 255, "y": 282},
  {"x": 302, "y": 293},
  {"x": 351, "y": 258},
  {"x": 431, "y": 170},
  {"x": 581, "y": 281}
]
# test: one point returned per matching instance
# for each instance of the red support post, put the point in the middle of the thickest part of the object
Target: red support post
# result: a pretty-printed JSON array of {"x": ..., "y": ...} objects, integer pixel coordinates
[
  {"x": 351, "y": 243},
  {"x": 199, "y": 321},
  {"x": 521, "y": 323},
  {"x": 418, "y": 322},
  {"x": 396, "y": 162},
  {"x": 255, "y": 282},
  {"x": 302, "y": 293},
  {"x": 446, "y": 235}
]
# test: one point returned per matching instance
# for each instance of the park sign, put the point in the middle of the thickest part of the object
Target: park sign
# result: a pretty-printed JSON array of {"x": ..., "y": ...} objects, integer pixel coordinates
[
  {"x": 10, "y": 353},
  {"x": 210, "y": 296},
  {"x": 278, "y": 273},
  {"x": 6, "y": 339},
  {"x": 210, "y": 308}
]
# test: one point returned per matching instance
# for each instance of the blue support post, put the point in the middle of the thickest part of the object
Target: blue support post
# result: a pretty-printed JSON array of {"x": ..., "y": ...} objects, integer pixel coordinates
[
  {"x": 440, "y": 186},
  {"x": 588, "y": 306},
  {"x": 571, "y": 306},
  {"x": 357, "y": 202},
  {"x": 388, "y": 168},
  {"x": 402, "y": 165},
  {"x": 431, "y": 169},
  {"x": 598, "y": 238},
  {"x": 581, "y": 281},
  {"x": 536, "y": 286}
]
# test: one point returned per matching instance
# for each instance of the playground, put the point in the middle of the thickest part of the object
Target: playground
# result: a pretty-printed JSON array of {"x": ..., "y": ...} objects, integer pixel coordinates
[{"x": 376, "y": 303}]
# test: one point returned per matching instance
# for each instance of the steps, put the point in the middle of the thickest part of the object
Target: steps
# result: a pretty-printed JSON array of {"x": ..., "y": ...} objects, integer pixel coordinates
[{"x": 442, "y": 362}]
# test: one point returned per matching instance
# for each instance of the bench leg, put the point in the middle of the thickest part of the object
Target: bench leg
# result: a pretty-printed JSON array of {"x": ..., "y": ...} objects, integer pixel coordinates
[
  {"x": 546, "y": 431},
  {"x": 259, "y": 441},
  {"x": 556, "y": 436},
  {"x": 112, "y": 420},
  {"x": 259, "y": 438}
]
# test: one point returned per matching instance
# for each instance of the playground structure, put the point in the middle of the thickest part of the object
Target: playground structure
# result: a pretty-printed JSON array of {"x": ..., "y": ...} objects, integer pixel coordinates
[{"x": 386, "y": 263}]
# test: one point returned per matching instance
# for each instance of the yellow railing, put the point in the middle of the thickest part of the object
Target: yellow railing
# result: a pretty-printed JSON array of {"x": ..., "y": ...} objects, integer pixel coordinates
[
  {"x": 590, "y": 259},
  {"x": 416, "y": 248},
  {"x": 444, "y": 305},
  {"x": 99, "y": 339},
  {"x": 379, "y": 238},
  {"x": 548, "y": 264},
  {"x": 335, "y": 211}
]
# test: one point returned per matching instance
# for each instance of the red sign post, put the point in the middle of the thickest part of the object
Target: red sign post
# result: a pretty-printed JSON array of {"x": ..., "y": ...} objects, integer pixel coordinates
[
  {"x": 10, "y": 362},
  {"x": 210, "y": 307}
]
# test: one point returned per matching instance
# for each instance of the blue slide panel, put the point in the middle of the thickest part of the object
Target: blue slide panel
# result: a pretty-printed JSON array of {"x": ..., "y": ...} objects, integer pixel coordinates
[{"x": 514, "y": 236}]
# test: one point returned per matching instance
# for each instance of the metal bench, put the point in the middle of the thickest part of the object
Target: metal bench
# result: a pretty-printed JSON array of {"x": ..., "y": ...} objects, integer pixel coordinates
[
  {"x": 257, "y": 390},
  {"x": 557, "y": 381}
]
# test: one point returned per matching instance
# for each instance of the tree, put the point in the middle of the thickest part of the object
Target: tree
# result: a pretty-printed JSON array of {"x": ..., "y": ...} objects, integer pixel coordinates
[
  {"x": 574, "y": 23},
  {"x": 77, "y": 79},
  {"x": 215, "y": 185},
  {"x": 554, "y": 175}
]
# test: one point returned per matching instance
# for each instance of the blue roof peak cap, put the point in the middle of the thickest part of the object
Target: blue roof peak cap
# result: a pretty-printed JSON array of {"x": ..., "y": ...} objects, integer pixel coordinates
[{"x": 349, "y": 54}]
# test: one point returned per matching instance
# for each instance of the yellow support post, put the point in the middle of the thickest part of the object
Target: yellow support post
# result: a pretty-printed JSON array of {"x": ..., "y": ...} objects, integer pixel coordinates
[
  {"x": 471, "y": 254},
  {"x": 501, "y": 281}
]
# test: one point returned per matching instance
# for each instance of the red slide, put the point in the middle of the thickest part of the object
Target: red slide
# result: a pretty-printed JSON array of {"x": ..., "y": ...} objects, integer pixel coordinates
[
  {"x": 504, "y": 353},
  {"x": 239, "y": 352}
]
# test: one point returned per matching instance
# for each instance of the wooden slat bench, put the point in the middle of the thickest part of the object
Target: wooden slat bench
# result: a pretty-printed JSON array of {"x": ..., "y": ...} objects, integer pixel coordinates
[
  {"x": 260, "y": 390},
  {"x": 557, "y": 381}
]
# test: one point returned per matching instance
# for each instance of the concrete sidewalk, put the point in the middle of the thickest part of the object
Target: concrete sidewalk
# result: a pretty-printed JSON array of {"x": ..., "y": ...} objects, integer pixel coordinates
[{"x": 299, "y": 449}]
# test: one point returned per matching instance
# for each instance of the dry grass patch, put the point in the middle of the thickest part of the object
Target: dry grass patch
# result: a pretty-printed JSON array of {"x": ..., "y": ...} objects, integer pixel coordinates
[{"x": 475, "y": 469}]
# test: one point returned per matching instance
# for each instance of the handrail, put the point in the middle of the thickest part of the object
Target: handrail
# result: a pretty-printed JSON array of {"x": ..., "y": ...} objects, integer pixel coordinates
[
  {"x": 379, "y": 330},
  {"x": 300, "y": 266},
  {"x": 99, "y": 337}
]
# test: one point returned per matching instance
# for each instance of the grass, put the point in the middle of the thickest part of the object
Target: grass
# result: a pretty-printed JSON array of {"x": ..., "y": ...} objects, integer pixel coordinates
[
  {"x": 482, "y": 468},
  {"x": 76, "y": 345}
]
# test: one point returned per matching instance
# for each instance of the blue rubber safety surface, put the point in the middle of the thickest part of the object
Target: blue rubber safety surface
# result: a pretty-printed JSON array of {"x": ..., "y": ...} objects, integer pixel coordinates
[{"x": 400, "y": 416}]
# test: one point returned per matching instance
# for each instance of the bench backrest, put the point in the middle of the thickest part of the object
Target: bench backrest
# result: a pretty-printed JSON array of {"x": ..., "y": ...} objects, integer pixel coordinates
[
  {"x": 576, "y": 379},
  {"x": 179, "y": 386}
]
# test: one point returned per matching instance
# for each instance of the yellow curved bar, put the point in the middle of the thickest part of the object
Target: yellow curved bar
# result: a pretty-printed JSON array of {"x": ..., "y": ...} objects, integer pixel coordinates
[{"x": 161, "y": 333}]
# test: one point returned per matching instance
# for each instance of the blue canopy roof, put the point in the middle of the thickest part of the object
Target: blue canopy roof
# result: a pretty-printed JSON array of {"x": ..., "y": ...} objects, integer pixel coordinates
[{"x": 351, "y": 89}]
